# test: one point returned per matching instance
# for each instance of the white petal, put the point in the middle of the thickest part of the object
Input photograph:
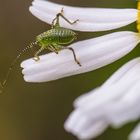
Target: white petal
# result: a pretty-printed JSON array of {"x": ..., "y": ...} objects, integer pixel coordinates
[
  {"x": 126, "y": 108},
  {"x": 112, "y": 80},
  {"x": 83, "y": 126},
  {"x": 98, "y": 105},
  {"x": 114, "y": 104},
  {"x": 95, "y": 130},
  {"x": 106, "y": 96},
  {"x": 92, "y": 54},
  {"x": 90, "y": 19},
  {"x": 135, "y": 135},
  {"x": 82, "y": 99}
]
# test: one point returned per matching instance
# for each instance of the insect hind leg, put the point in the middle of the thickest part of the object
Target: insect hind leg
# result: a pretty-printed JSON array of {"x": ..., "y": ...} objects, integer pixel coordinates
[
  {"x": 71, "y": 49},
  {"x": 58, "y": 48}
]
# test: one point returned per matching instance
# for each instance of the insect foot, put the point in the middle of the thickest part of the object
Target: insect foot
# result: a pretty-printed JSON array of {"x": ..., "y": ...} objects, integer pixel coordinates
[
  {"x": 36, "y": 58},
  {"x": 62, "y": 10},
  {"x": 75, "y": 21},
  {"x": 78, "y": 63}
]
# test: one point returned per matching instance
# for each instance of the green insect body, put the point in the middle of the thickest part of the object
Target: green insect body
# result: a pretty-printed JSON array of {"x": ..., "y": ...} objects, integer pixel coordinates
[
  {"x": 53, "y": 40},
  {"x": 55, "y": 36}
]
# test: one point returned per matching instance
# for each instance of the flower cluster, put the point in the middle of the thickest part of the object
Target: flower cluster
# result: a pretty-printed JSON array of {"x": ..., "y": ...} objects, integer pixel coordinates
[{"x": 115, "y": 102}]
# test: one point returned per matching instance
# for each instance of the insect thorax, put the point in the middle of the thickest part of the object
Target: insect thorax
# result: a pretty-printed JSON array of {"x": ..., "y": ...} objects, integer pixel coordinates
[{"x": 57, "y": 36}]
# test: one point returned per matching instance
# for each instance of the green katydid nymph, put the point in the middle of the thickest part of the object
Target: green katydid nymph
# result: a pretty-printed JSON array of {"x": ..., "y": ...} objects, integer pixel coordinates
[{"x": 53, "y": 40}]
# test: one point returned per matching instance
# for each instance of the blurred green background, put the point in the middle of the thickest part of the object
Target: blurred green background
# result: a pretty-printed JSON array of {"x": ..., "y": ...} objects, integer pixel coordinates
[{"x": 38, "y": 111}]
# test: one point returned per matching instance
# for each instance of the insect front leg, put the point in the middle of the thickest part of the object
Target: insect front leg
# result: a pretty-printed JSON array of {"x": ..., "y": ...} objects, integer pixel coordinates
[
  {"x": 66, "y": 19},
  {"x": 36, "y": 57},
  {"x": 61, "y": 15},
  {"x": 55, "y": 24}
]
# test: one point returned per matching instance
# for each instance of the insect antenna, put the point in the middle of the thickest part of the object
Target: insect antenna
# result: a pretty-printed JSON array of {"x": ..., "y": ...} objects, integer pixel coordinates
[{"x": 3, "y": 84}]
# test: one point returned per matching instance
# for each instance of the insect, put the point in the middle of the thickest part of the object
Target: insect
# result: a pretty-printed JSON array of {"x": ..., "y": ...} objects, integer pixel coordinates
[
  {"x": 53, "y": 40},
  {"x": 56, "y": 37}
]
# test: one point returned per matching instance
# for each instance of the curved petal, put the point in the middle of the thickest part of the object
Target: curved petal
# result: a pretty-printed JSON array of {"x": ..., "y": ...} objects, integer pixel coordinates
[
  {"x": 103, "y": 95},
  {"x": 84, "y": 127},
  {"x": 92, "y": 54},
  {"x": 90, "y": 19},
  {"x": 115, "y": 104},
  {"x": 126, "y": 109},
  {"x": 112, "y": 80}
]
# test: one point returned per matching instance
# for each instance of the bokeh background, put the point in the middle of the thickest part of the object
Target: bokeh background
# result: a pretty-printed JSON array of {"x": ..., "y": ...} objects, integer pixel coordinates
[{"x": 38, "y": 111}]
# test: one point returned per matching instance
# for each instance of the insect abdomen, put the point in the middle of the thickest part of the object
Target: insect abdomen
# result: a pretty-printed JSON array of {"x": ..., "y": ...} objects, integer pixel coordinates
[{"x": 60, "y": 36}]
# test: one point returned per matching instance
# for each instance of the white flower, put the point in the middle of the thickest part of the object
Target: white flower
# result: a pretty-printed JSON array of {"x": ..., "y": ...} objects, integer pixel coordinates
[
  {"x": 92, "y": 54},
  {"x": 90, "y": 19},
  {"x": 115, "y": 103}
]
